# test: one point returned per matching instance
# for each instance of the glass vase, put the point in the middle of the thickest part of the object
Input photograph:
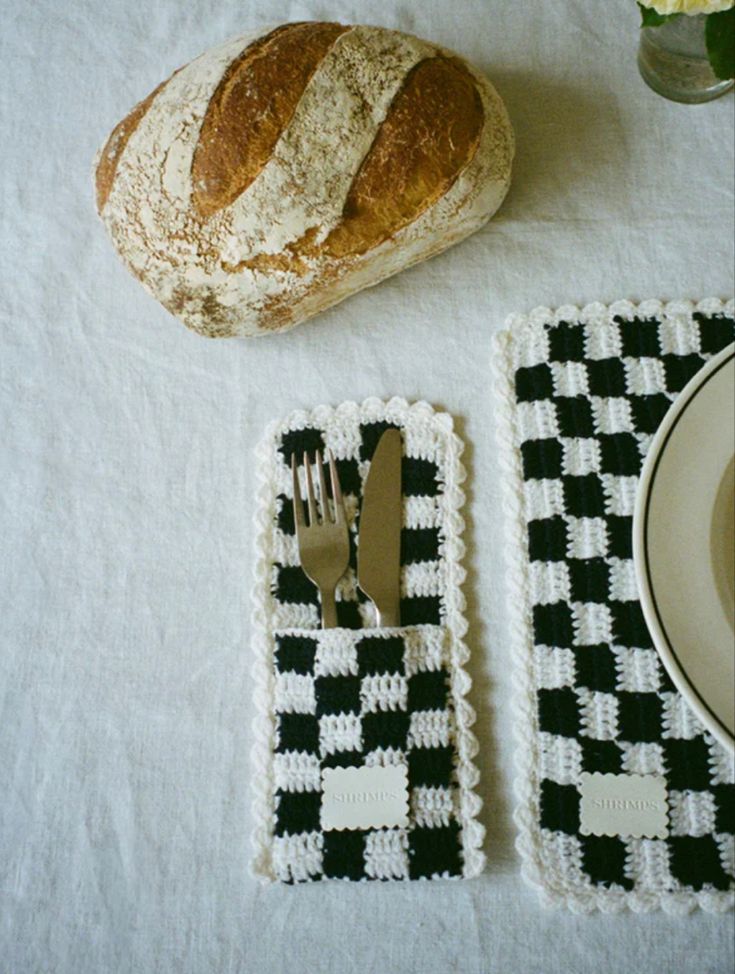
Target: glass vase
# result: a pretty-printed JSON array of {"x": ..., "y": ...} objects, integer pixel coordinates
[{"x": 673, "y": 61}]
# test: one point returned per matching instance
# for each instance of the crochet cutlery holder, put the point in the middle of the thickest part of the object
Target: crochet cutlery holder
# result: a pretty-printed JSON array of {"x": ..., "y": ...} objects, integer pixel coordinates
[{"x": 357, "y": 696}]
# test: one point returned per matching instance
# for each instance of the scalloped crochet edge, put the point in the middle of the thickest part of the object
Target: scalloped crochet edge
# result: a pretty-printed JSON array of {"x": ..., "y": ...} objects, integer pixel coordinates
[
  {"x": 397, "y": 410},
  {"x": 553, "y": 891}
]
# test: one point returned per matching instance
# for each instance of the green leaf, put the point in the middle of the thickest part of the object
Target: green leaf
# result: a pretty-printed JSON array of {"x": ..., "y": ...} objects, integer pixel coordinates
[
  {"x": 719, "y": 33},
  {"x": 651, "y": 18}
]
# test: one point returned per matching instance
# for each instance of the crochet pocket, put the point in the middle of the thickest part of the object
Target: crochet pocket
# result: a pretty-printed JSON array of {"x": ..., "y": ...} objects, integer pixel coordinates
[{"x": 346, "y": 698}]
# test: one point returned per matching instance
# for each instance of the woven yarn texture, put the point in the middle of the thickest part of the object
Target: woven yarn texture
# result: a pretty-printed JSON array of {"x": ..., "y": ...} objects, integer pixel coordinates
[
  {"x": 581, "y": 394},
  {"x": 360, "y": 695}
]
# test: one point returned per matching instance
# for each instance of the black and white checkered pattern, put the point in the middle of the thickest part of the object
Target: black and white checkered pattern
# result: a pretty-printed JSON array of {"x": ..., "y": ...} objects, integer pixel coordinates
[
  {"x": 346, "y": 698},
  {"x": 590, "y": 392},
  {"x": 358, "y": 695}
]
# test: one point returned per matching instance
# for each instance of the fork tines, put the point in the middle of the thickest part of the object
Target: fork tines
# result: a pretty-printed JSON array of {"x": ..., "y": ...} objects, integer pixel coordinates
[{"x": 318, "y": 512}]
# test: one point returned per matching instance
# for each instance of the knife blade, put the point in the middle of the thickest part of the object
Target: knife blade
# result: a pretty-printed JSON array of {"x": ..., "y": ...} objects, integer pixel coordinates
[{"x": 379, "y": 541}]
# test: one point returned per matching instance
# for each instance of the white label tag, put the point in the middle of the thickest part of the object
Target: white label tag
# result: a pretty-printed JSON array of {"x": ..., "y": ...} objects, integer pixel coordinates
[
  {"x": 623, "y": 804},
  {"x": 364, "y": 798}
]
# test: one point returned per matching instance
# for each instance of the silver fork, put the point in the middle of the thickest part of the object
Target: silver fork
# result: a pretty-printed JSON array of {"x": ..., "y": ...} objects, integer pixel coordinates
[{"x": 324, "y": 546}]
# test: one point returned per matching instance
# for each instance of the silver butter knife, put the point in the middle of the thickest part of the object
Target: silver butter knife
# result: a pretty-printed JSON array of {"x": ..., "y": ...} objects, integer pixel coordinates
[{"x": 379, "y": 543}]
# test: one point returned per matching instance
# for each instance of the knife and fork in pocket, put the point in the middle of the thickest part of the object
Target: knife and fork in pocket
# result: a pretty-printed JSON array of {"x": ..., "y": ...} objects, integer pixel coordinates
[{"x": 322, "y": 532}]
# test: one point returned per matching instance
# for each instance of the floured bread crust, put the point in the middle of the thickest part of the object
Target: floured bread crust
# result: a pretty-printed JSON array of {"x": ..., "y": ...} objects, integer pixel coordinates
[{"x": 281, "y": 172}]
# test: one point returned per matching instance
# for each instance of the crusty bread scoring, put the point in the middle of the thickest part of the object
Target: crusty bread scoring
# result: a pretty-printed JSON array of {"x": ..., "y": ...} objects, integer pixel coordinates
[
  {"x": 252, "y": 105},
  {"x": 277, "y": 174}
]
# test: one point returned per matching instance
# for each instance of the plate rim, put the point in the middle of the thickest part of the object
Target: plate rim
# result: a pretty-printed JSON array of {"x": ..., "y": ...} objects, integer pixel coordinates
[{"x": 641, "y": 563}]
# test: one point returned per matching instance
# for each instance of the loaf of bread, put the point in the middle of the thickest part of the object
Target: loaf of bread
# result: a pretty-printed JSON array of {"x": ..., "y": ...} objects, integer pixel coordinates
[{"x": 281, "y": 172}]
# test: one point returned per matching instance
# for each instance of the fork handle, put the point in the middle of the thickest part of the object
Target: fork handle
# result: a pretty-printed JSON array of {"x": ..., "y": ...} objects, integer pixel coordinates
[{"x": 329, "y": 609}]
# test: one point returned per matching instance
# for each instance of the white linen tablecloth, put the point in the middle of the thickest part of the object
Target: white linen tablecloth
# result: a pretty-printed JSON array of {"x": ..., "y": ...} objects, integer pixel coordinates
[{"x": 126, "y": 493}]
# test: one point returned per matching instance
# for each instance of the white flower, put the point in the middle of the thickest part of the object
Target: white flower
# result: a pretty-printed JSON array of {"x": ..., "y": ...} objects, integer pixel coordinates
[{"x": 689, "y": 7}]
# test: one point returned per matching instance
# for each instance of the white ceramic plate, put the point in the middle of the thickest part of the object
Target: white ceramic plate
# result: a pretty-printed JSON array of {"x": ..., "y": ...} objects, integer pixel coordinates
[{"x": 684, "y": 544}]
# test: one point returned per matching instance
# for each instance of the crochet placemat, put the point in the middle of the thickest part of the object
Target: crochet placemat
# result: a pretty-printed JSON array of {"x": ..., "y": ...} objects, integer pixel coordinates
[
  {"x": 358, "y": 696},
  {"x": 580, "y": 394}
]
